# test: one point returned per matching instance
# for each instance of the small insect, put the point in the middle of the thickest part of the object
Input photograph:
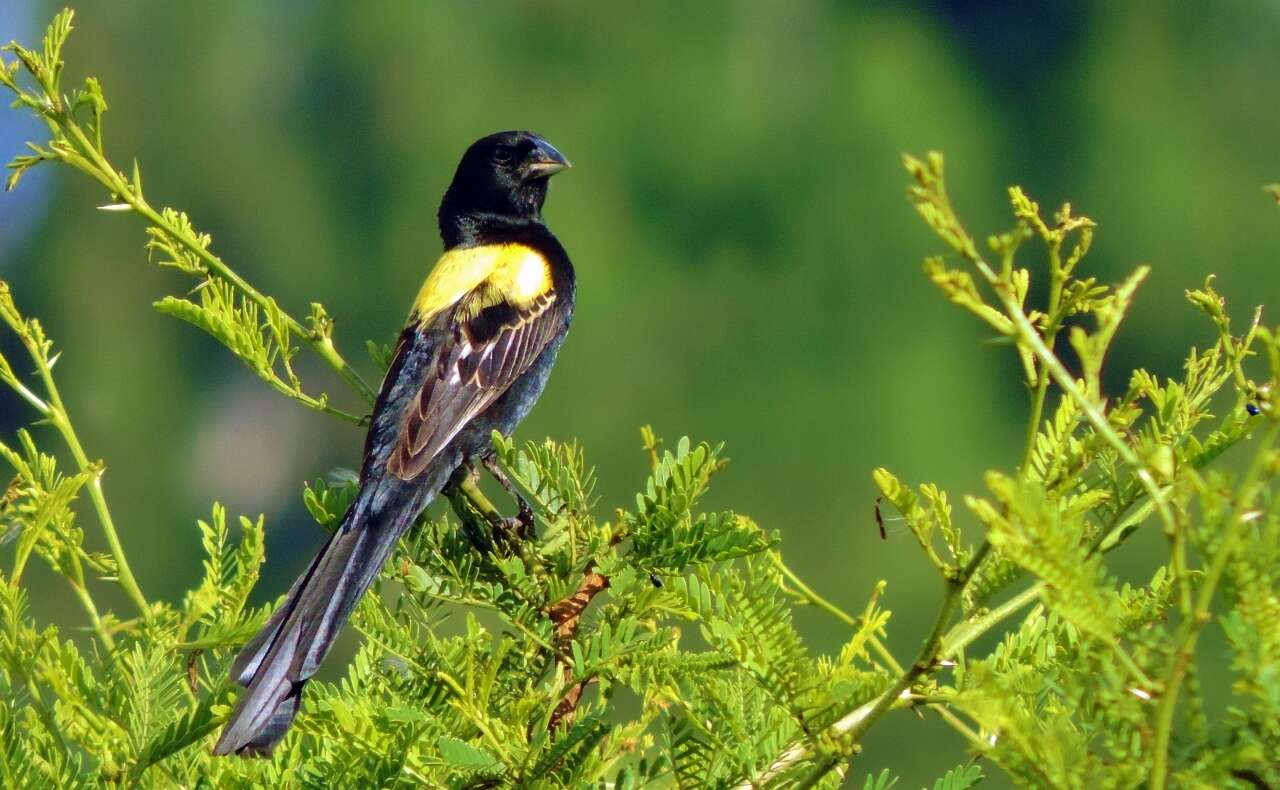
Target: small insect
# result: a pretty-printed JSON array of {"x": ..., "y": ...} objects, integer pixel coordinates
[
  {"x": 655, "y": 580},
  {"x": 1253, "y": 409},
  {"x": 881, "y": 519}
]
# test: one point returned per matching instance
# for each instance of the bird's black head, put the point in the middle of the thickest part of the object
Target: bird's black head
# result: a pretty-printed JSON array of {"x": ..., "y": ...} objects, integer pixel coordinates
[{"x": 501, "y": 179}]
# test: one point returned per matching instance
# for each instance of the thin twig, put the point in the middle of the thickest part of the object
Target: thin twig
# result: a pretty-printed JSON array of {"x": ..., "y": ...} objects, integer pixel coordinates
[
  {"x": 852, "y": 726},
  {"x": 1195, "y": 620},
  {"x": 54, "y": 410},
  {"x": 72, "y": 146},
  {"x": 566, "y": 614},
  {"x": 124, "y": 574}
]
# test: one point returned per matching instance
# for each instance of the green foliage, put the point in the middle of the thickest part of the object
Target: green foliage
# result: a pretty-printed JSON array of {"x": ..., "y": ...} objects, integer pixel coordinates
[
  {"x": 252, "y": 326},
  {"x": 1096, "y": 687},
  {"x": 259, "y": 337},
  {"x": 657, "y": 647},
  {"x": 959, "y": 778}
]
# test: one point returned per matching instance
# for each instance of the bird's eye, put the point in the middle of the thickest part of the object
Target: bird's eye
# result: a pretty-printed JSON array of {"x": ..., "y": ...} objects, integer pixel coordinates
[{"x": 502, "y": 156}]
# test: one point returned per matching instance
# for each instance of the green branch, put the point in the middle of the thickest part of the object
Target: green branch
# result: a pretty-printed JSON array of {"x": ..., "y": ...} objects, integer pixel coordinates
[
  {"x": 55, "y": 412},
  {"x": 932, "y": 193},
  {"x": 62, "y": 422},
  {"x": 855, "y": 724},
  {"x": 82, "y": 149},
  {"x": 1195, "y": 620}
]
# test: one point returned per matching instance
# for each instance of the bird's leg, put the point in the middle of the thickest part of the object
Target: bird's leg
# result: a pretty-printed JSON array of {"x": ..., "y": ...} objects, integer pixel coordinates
[
  {"x": 524, "y": 517},
  {"x": 477, "y": 523}
]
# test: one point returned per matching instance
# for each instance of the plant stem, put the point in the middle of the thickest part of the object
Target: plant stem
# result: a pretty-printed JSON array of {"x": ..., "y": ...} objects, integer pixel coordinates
[
  {"x": 812, "y": 597},
  {"x": 930, "y": 653},
  {"x": 1063, "y": 378},
  {"x": 1027, "y": 334},
  {"x": 469, "y": 488},
  {"x": 1033, "y": 422},
  {"x": 123, "y": 573},
  {"x": 82, "y": 593},
  {"x": 1195, "y": 621},
  {"x": 87, "y": 157},
  {"x": 466, "y": 705},
  {"x": 55, "y": 411},
  {"x": 820, "y": 770},
  {"x": 1056, "y": 280},
  {"x": 321, "y": 344},
  {"x": 30, "y": 397},
  {"x": 856, "y": 723},
  {"x": 975, "y": 740},
  {"x": 958, "y": 638},
  {"x": 306, "y": 400},
  {"x": 964, "y": 634}
]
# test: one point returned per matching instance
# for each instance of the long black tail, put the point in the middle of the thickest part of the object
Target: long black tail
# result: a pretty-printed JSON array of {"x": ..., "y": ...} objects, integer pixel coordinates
[{"x": 276, "y": 664}]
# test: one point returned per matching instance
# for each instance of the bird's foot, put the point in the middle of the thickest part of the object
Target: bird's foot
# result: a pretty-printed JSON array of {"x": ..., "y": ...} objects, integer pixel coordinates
[{"x": 522, "y": 524}]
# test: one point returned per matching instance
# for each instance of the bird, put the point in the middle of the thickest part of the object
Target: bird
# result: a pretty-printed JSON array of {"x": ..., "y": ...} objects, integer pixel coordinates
[{"x": 474, "y": 356}]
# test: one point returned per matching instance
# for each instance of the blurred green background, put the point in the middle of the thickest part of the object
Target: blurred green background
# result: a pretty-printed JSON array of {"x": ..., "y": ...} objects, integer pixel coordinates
[{"x": 749, "y": 270}]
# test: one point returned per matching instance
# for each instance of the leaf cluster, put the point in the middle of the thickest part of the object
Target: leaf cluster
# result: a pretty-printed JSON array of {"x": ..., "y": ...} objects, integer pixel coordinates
[{"x": 1097, "y": 687}]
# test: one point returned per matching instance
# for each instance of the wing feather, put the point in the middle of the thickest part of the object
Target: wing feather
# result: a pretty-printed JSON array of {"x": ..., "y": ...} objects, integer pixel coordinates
[{"x": 490, "y": 346}]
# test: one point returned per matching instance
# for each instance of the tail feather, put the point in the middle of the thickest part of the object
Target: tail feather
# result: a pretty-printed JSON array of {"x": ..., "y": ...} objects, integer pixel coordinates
[
  {"x": 255, "y": 650},
  {"x": 277, "y": 663}
]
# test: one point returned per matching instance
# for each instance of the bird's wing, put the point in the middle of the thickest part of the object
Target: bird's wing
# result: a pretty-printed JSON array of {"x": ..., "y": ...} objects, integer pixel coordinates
[{"x": 491, "y": 336}]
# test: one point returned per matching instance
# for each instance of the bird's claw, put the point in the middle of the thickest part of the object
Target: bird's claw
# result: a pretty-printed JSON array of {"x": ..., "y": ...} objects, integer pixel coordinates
[
  {"x": 524, "y": 517},
  {"x": 522, "y": 524}
]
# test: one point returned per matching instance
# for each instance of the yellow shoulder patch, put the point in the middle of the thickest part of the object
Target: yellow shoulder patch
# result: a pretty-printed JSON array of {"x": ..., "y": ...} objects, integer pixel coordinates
[{"x": 512, "y": 271}]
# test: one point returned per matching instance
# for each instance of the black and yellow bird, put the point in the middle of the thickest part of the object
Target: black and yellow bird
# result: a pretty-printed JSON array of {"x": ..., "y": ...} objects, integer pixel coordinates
[{"x": 480, "y": 342}]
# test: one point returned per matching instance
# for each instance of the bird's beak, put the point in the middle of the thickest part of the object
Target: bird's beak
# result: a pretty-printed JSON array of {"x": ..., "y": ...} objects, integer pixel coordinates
[{"x": 544, "y": 160}]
